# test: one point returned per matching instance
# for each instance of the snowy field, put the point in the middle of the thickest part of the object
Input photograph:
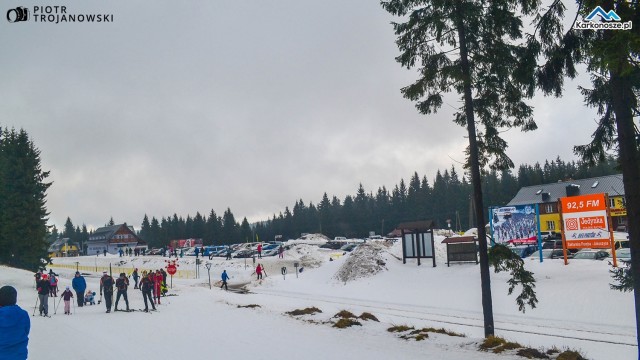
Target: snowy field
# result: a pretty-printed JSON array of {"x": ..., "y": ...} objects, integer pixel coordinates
[{"x": 576, "y": 310}]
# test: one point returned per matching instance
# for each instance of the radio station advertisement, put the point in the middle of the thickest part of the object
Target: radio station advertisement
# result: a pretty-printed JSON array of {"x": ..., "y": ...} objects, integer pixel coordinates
[{"x": 585, "y": 222}]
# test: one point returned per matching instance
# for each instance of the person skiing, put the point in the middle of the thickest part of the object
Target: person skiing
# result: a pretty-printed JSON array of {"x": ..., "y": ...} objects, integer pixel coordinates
[
  {"x": 79, "y": 285},
  {"x": 66, "y": 296},
  {"x": 106, "y": 285},
  {"x": 259, "y": 251},
  {"x": 14, "y": 326},
  {"x": 146, "y": 284},
  {"x": 122, "y": 284},
  {"x": 259, "y": 271},
  {"x": 53, "y": 284},
  {"x": 43, "y": 294},
  {"x": 225, "y": 277},
  {"x": 157, "y": 285},
  {"x": 38, "y": 276},
  {"x": 135, "y": 278},
  {"x": 228, "y": 253}
]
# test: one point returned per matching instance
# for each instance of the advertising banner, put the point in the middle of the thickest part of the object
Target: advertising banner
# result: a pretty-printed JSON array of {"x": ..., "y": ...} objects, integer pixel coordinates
[
  {"x": 584, "y": 220},
  {"x": 514, "y": 225}
]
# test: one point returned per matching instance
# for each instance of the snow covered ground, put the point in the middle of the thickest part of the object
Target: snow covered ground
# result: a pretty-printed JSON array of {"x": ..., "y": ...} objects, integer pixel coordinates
[{"x": 576, "y": 310}]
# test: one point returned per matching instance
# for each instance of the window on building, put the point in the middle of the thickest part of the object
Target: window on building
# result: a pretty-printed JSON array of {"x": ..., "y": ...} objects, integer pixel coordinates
[
  {"x": 549, "y": 208},
  {"x": 612, "y": 202},
  {"x": 551, "y": 225}
]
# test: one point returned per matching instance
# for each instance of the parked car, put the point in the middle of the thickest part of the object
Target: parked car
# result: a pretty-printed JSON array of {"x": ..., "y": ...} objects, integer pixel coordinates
[
  {"x": 340, "y": 238},
  {"x": 349, "y": 247},
  {"x": 524, "y": 250},
  {"x": 591, "y": 254},
  {"x": 332, "y": 245},
  {"x": 553, "y": 244},
  {"x": 155, "y": 251},
  {"x": 623, "y": 254},
  {"x": 550, "y": 254},
  {"x": 549, "y": 235},
  {"x": 244, "y": 254}
]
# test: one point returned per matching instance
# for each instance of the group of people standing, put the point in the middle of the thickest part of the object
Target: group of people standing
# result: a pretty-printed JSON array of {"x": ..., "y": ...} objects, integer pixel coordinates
[{"x": 152, "y": 284}]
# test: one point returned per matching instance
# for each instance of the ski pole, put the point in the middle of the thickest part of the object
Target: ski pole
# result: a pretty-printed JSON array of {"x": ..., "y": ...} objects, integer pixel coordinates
[
  {"x": 34, "y": 308},
  {"x": 55, "y": 310},
  {"x": 74, "y": 307}
]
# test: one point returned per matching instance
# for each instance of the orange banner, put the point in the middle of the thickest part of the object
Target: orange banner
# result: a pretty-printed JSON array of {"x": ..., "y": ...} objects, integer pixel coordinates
[{"x": 583, "y": 203}]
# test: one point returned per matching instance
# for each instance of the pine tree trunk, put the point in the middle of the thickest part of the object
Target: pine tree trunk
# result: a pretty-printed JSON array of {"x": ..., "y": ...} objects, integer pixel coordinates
[
  {"x": 622, "y": 96},
  {"x": 474, "y": 167}
]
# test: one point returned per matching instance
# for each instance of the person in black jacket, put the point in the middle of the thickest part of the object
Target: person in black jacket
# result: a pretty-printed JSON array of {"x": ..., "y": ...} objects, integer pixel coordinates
[
  {"x": 43, "y": 294},
  {"x": 135, "y": 278},
  {"x": 122, "y": 284},
  {"x": 146, "y": 285},
  {"x": 106, "y": 284}
]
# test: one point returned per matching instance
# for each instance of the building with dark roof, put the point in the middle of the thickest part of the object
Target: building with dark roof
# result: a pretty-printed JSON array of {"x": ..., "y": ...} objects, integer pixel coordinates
[
  {"x": 112, "y": 239},
  {"x": 547, "y": 196},
  {"x": 64, "y": 247}
]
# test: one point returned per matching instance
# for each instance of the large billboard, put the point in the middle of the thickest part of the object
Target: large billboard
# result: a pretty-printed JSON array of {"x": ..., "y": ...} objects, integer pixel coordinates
[
  {"x": 514, "y": 225},
  {"x": 584, "y": 220}
]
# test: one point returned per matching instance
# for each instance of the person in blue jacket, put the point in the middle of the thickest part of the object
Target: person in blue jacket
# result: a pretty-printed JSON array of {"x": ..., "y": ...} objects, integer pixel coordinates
[
  {"x": 79, "y": 285},
  {"x": 14, "y": 326},
  {"x": 225, "y": 277}
]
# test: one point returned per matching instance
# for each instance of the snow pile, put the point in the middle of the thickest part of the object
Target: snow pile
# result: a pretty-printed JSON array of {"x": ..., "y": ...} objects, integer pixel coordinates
[
  {"x": 366, "y": 260},
  {"x": 307, "y": 255},
  {"x": 311, "y": 239}
]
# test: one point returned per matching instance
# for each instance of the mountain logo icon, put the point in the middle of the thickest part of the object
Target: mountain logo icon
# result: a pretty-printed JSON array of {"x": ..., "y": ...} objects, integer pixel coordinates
[{"x": 607, "y": 16}]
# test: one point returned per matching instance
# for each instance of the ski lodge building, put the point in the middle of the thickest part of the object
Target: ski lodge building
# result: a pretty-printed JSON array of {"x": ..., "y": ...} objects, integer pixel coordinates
[
  {"x": 547, "y": 196},
  {"x": 113, "y": 238}
]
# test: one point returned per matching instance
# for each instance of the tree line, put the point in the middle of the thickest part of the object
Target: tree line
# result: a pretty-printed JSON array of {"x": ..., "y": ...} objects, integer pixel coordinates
[{"x": 447, "y": 197}]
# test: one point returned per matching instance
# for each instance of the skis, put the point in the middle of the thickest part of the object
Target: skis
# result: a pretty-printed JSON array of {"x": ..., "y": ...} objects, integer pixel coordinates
[
  {"x": 130, "y": 310},
  {"x": 148, "y": 312}
]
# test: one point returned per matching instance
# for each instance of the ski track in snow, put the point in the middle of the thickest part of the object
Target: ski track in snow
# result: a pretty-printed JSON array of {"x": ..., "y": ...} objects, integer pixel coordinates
[{"x": 410, "y": 312}]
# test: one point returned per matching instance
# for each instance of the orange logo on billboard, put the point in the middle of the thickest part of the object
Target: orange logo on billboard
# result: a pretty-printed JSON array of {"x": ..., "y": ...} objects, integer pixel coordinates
[
  {"x": 592, "y": 222},
  {"x": 571, "y": 224}
]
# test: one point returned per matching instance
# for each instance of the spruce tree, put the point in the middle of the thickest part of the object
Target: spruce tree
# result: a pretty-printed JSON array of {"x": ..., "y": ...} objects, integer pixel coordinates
[
  {"x": 23, "y": 214},
  {"x": 473, "y": 48}
]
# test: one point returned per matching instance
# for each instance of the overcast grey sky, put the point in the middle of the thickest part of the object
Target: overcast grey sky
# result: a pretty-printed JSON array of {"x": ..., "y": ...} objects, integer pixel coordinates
[{"x": 247, "y": 104}]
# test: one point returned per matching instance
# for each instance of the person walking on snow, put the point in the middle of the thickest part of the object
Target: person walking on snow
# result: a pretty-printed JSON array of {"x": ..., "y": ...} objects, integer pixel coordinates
[
  {"x": 106, "y": 284},
  {"x": 259, "y": 271},
  {"x": 79, "y": 285},
  {"x": 280, "y": 252},
  {"x": 225, "y": 277},
  {"x": 135, "y": 278},
  {"x": 66, "y": 296},
  {"x": 53, "y": 284},
  {"x": 122, "y": 284},
  {"x": 146, "y": 284},
  {"x": 259, "y": 251},
  {"x": 157, "y": 285},
  {"x": 43, "y": 294}
]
